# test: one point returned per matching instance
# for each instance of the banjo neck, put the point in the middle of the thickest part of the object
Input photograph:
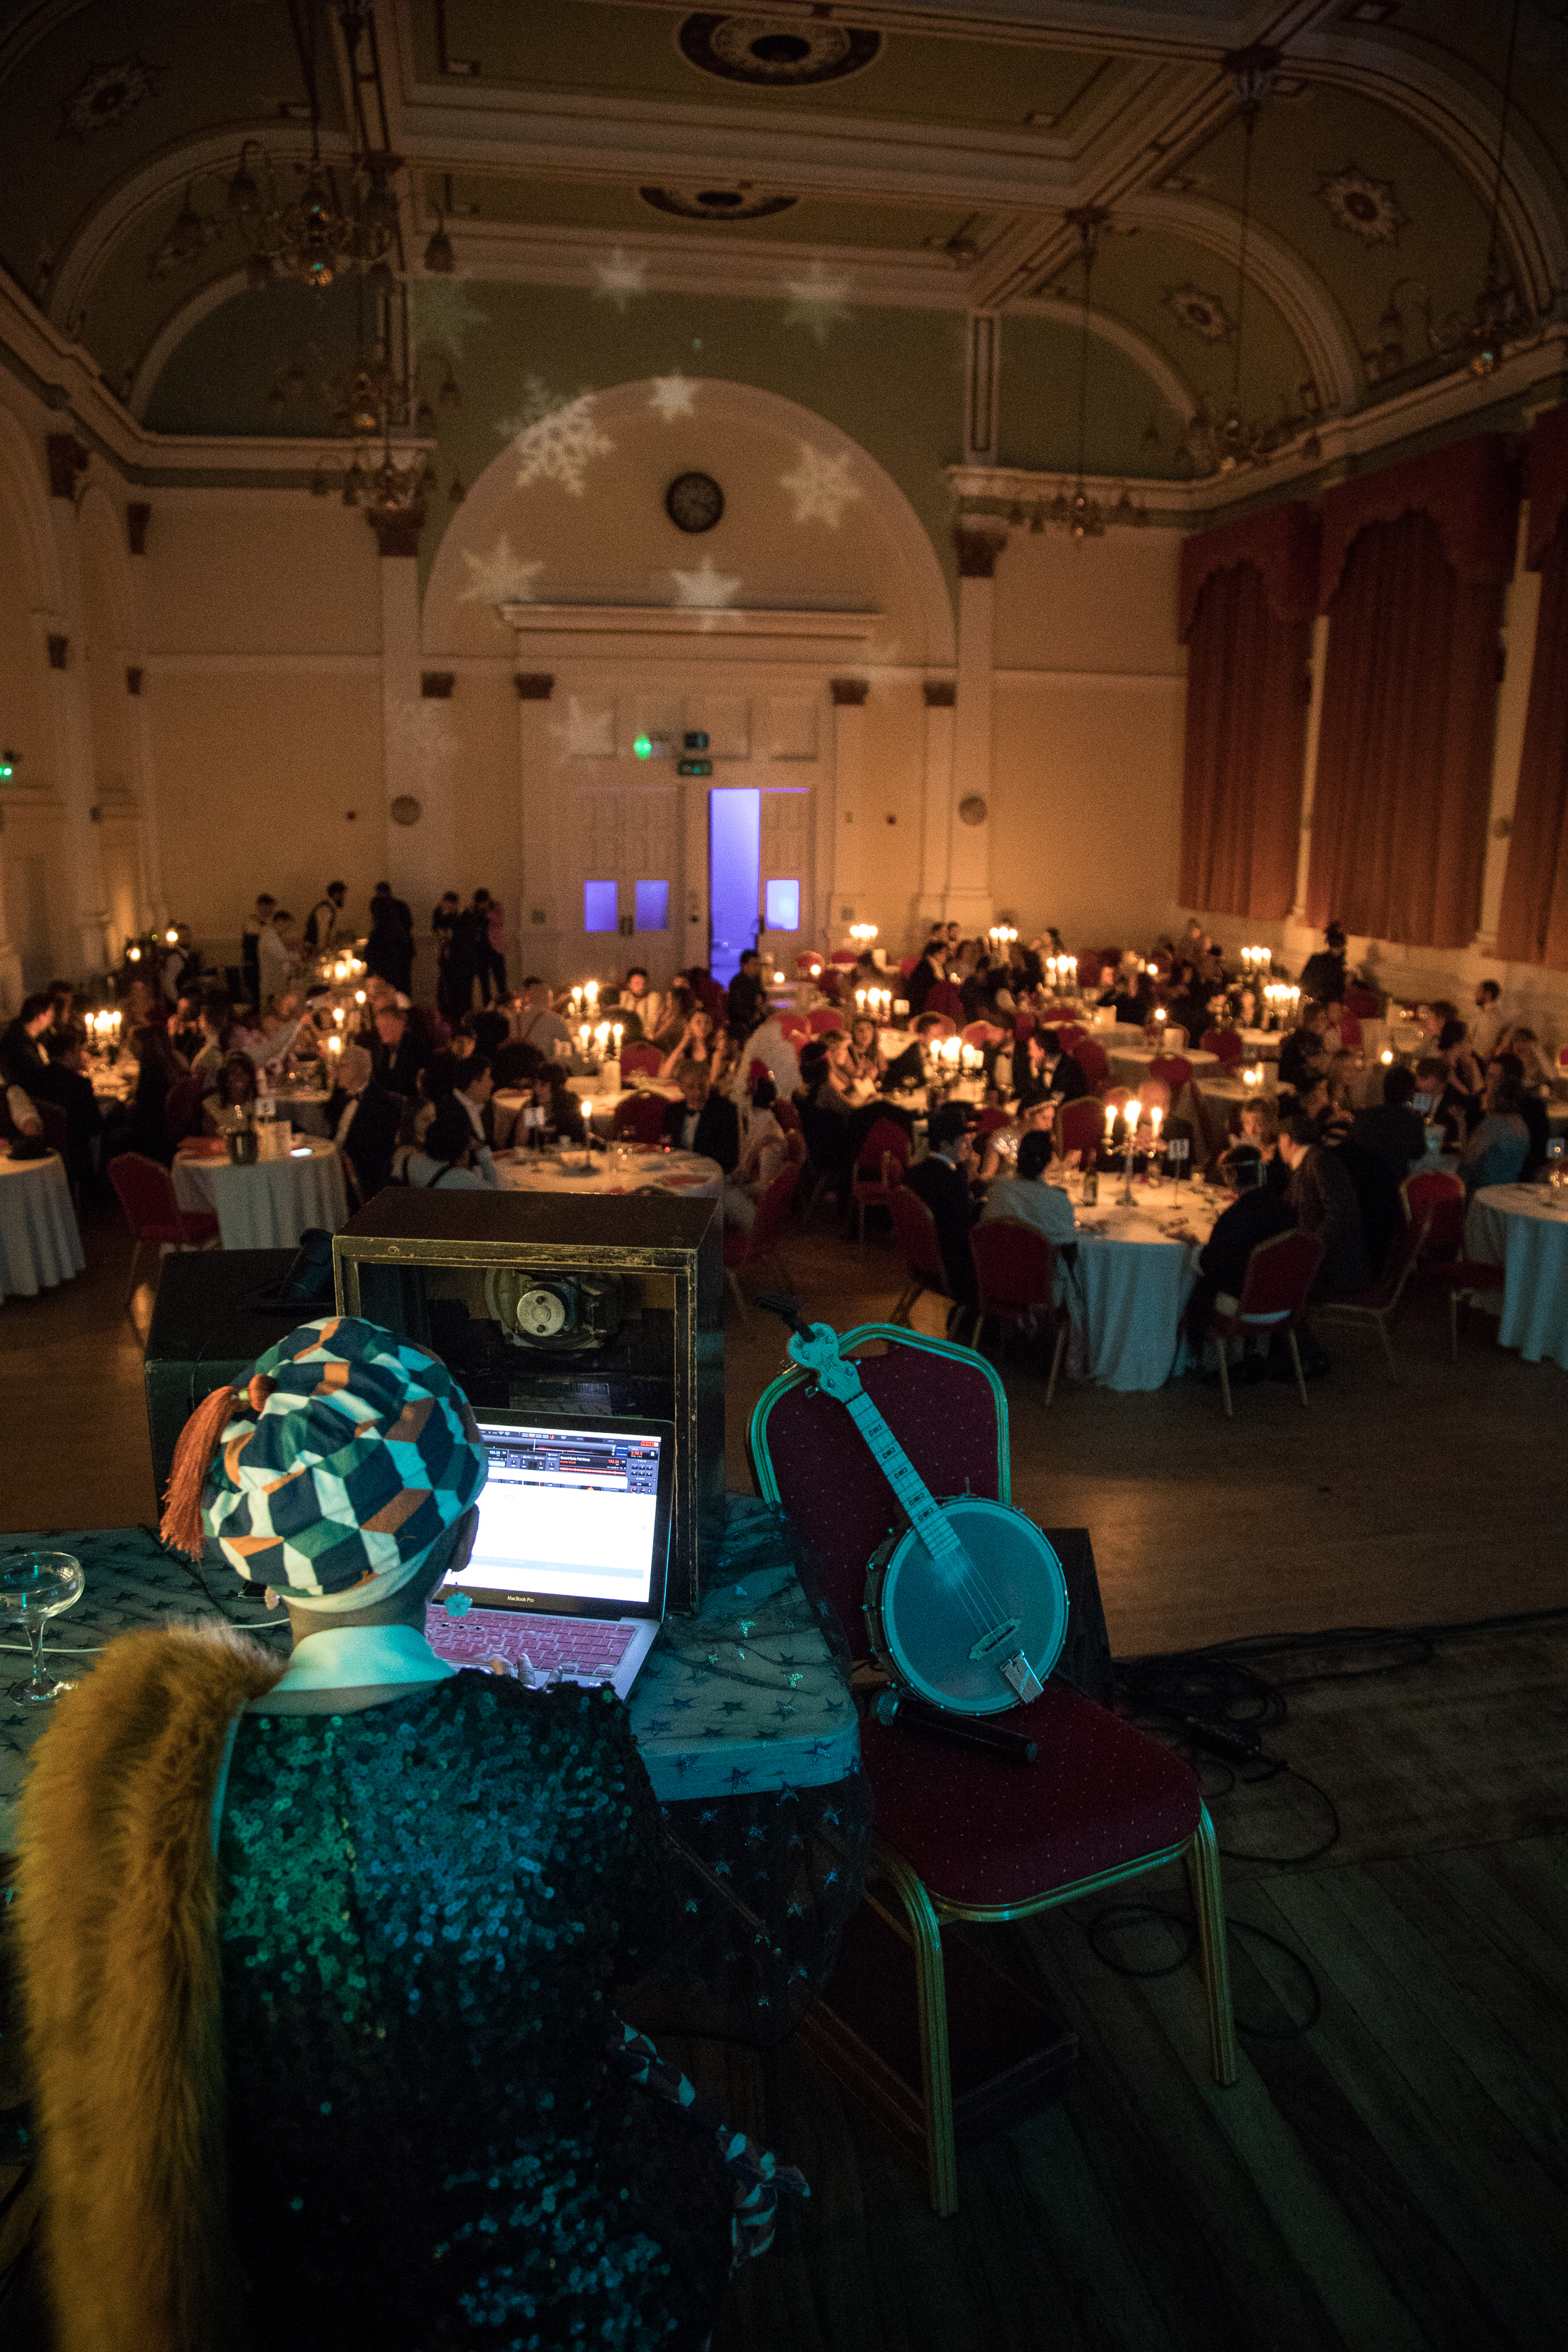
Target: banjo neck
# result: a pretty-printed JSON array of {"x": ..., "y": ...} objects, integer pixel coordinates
[{"x": 906, "y": 1482}]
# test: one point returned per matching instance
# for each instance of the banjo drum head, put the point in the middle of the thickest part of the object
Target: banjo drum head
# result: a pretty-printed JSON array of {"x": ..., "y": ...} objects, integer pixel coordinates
[{"x": 926, "y": 1621}]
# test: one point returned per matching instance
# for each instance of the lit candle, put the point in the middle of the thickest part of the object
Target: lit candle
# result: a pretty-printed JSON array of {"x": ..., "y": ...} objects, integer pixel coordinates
[
  {"x": 618, "y": 1032},
  {"x": 1155, "y": 1116},
  {"x": 778, "y": 980},
  {"x": 583, "y": 1034},
  {"x": 1109, "y": 1121},
  {"x": 359, "y": 996},
  {"x": 590, "y": 990},
  {"x": 1386, "y": 1057},
  {"x": 1133, "y": 1114},
  {"x": 860, "y": 1000},
  {"x": 338, "y": 1014},
  {"x": 1160, "y": 1017},
  {"x": 576, "y": 1001}
]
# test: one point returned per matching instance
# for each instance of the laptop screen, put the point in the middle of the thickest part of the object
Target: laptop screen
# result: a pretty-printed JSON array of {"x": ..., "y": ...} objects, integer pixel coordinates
[{"x": 573, "y": 1512}]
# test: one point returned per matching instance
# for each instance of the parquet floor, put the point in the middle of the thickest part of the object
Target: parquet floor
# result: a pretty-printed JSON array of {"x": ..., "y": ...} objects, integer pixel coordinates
[{"x": 1392, "y": 2179}]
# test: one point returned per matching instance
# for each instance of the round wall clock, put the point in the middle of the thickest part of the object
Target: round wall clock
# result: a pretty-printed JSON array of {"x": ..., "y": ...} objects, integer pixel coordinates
[{"x": 694, "y": 502}]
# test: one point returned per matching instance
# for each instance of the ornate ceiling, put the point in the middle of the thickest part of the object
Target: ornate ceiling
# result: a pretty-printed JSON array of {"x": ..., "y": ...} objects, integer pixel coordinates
[{"x": 914, "y": 156}]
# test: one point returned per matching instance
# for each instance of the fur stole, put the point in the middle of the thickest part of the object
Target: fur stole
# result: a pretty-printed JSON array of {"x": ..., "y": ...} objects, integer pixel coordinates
[{"x": 117, "y": 1897}]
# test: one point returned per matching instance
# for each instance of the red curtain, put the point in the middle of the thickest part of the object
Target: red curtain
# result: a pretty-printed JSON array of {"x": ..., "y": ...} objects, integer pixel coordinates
[
  {"x": 1245, "y": 734},
  {"x": 1532, "y": 927},
  {"x": 1405, "y": 755}
]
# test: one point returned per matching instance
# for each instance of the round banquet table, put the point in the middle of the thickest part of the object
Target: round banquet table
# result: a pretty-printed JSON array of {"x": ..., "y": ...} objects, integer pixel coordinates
[
  {"x": 306, "y": 1106},
  {"x": 684, "y": 1174},
  {"x": 1135, "y": 1267},
  {"x": 508, "y": 1103},
  {"x": 1523, "y": 1228},
  {"x": 1213, "y": 1097},
  {"x": 269, "y": 1204},
  {"x": 39, "y": 1244},
  {"x": 1130, "y": 1064}
]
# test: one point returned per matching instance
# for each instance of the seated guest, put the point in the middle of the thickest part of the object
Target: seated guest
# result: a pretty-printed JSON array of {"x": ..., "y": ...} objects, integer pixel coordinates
[
  {"x": 930, "y": 967},
  {"x": 362, "y": 1119},
  {"x": 1391, "y": 1129},
  {"x": 863, "y": 1061},
  {"x": 514, "y": 1064},
  {"x": 399, "y": 1052},
  {"x": 699, "y": 1042},
  {"x": 158, "y": 1066},
  {"x": 558, "y": 1113},
  {"x": 641, "y": 1004},
  {"x": 534, "y": 1024},
  {"x": 379, "y": 1910},
  {"x": 1340, "y": 1083},
  {"x": 1002, "y": 1145},
  {"x": 1324, "y": 1203},
  {"x": 232, "y": 1104},
  {"x": 703, "y": 1120},
  {"x": 1257, "y": 1123},
  {"x": 941, "y": 1180},
  {"x": 1254, "y": 1214},
  {"x": 747, "y": 999},
  {"x": 1487, "y": 1022},
  {"x": 66, "y": 1084},
  {"x": 449, "y": 1156},
  {"x": 1303, "y": 1055},
  {"x": 489, "y": 1031},
  {"x": 825, "y": 1069},
  {"x": 23, "y": 1056},
  {"x": 1498, "y": 1144},
  {"x": 1539, "y": 1071},
  {"x": 215, "y": 1024},
  {"x": 764, "y": 1153},
  {"x": 679, "y": 1004},
  {"x": 1062, "y": 1077},
  {"x": 1027, "y": 1196},
  {"x": 1244, "y": 1004},
  {"x": 20, "y": 1126},
  {"x": 1439, "y": 1102},
  {"x": 1464, "y": 1074},
  {"x": 1532, "y": 1109},
  {"x": 909, "y": 1068},
  {"x": 466, "y": 1080}
]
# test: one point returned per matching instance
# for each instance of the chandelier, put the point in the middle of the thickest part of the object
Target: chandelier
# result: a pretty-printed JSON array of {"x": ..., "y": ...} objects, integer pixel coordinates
[{"x": 1075, "y": 511}]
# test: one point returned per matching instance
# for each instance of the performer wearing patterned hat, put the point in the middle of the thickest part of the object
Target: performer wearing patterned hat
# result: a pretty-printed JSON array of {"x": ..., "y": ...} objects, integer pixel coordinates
[{"x": 318, "y": 1958}]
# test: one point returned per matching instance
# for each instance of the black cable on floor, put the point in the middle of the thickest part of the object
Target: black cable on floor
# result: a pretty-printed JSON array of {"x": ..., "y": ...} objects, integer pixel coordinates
[{"x": 1115, "y": 1917}]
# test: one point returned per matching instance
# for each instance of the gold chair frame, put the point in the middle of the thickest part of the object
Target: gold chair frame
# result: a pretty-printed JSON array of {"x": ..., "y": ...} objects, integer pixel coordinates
[{"x": 920, "y": 1915}]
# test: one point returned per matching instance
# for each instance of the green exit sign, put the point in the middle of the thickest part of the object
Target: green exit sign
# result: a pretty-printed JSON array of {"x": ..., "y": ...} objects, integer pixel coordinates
[{"x": 694, "y": 767}]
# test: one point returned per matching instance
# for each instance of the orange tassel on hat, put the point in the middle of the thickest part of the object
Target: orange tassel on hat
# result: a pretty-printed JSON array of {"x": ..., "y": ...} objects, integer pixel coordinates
[{"x": 181, "y": 1525}]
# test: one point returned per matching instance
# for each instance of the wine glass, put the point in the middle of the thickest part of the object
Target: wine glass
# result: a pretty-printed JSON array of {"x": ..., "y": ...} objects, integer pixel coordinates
[{"x": 33, "y": 1586}]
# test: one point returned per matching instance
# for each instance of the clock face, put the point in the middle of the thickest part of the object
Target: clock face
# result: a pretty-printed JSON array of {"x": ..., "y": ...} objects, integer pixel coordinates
[
  {"x": 694, "y": 502},
  {"x": 540, "y": 1314}
]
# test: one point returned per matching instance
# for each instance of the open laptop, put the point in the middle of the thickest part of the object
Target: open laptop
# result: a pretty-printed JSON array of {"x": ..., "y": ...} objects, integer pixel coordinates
[{"x": 568, "y": 1569}]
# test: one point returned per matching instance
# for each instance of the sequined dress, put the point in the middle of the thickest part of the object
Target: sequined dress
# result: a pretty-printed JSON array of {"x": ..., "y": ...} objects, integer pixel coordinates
[{"x": 423, "y": 1910}]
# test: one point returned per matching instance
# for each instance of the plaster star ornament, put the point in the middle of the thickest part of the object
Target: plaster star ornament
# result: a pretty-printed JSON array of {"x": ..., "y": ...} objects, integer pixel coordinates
[
  {"x": 1203, "y": 314},
  {"x": 705, "y": 590},
  {"x": 443, "y": 313},
  {"x": 105, "y": 95},
  {"x": 816, "y": 300},
  {"x": 561, "y": 446},
  {"x": 673, "y": 396},
  {"x": 500, "y": 577},
  {"x": 617, "y": 279},
  {"x": 820, "y": 488},
  {"x": 1368, "y": 208}
]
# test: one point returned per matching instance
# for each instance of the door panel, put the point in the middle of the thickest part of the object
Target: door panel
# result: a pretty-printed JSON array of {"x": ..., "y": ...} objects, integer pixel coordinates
[{"x": 734, "y": 870}]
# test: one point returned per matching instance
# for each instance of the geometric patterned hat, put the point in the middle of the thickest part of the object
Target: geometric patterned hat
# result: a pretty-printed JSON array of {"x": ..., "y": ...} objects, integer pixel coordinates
[{"x": 345, "y": 1459}]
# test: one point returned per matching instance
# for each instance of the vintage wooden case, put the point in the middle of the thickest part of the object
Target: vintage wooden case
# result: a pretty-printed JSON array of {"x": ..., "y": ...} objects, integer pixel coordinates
[{"x": 465, "y": 1273}]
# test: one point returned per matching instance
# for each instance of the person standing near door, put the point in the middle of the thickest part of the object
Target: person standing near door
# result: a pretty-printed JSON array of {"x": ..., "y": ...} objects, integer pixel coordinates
[
  {"x": 748, "y": 997},
  {"x": 490, "y": 944}
]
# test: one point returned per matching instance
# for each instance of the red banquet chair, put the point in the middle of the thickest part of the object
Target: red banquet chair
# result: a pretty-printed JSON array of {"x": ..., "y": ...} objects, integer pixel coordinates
[
  {"x": 794, "y": 1026},
  {"x": 640, "y": 1060},
  {"x": 639, "y": 1118},
  {"x": 914, "y": 1229},
  {"x": 741, "y": 1250},
  {"x": 1017, "y": 1268},
  {"x": 1092, "y": 1061},
  {"x": 945, "y": 998},
  {"x": 824, "y": 1019},
  {"x": 962, "y": 1833},
  {"x": 1227, "y": 1043},
  {"x": 183, "y": 1107},
  {"x": 807, "y": 964},
  {"x": 787, "y": 1116},
  {"x": 907, "y": 965},
  {"x": 1349, "y": 1031},
  {"x": 1436, "y": 1200},
  {"x": 976, "y": 1033},
  {"x": 992, "y": 1121},
  {"x": 1280, "y": 1275},
  {"x": 145, "y": 1190},
  {"x": 1079, "y": 1125},
  {"x": 1025, "y": 1024},
  {"x": 844, "y": 959},
  {"x": 1364, "y": 1003},
  {"x": 1174, "y": 1069},
  {"x": 1379, "y": 1304},
  {"x": 884, "y": 1156}
]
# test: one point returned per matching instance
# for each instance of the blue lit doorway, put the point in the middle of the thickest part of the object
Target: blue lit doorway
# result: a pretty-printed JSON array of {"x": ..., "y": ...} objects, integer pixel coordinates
[{"x": 735, "y": 877}]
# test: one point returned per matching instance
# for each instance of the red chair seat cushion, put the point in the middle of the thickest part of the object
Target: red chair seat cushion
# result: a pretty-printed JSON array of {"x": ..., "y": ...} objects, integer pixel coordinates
[{"x": 984, "y": 1833}]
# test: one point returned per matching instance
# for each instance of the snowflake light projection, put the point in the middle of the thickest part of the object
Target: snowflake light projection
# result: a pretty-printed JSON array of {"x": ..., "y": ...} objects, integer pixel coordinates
[
  {"x": 561, "y": 445},
  {"x": 420, "y": 741},
  {"x": 1366, "y": 207},
  {"x": 820, "y": 488},
  {"x": 617, "y": 279},
  {"x": 500, "y": 577},
  {"x": 443, "y": 313},
  {"x": 538, "y": 401},
  {"x": 816, "y": 300},
  {"x": 705, "y": 590},
  {"x": 673, "y": 396}
]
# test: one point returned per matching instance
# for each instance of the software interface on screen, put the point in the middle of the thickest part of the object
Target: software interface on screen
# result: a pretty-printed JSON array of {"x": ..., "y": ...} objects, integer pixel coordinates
[{"x": 567, "y": 1513}]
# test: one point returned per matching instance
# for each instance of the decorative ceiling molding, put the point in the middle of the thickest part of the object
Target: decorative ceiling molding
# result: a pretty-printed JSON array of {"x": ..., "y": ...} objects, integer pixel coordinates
[
  {"x": 512, "y": 254},
  {"x": 1172, "y": 385},
  {"x": 172, "y": 334}
]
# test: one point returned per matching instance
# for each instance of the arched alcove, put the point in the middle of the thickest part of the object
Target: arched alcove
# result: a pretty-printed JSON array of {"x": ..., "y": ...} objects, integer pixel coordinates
[{"x": 573, "y": 512}]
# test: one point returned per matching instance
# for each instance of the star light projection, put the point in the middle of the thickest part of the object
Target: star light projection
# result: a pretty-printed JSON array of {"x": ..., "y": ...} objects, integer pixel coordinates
[
  {"x": 443, "y": 313},
  {"x": 500, "y": 577},
  {"x": 816, "y": 300},
  {"x": 619, "y": 279},
  {"x": 819, "y": 488},
  {"x": 705, "y": 590},
  {"x": 673, "y": 396},
  {"x": 561, "y": 445}
]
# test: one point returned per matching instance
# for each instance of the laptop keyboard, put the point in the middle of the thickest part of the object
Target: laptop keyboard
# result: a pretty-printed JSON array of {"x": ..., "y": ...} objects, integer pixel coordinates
[{"x": 590, "y": 1648}]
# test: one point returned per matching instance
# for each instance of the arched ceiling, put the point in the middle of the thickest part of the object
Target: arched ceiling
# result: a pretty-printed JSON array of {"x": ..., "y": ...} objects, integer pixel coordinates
[{"x": 912, "y": 156}]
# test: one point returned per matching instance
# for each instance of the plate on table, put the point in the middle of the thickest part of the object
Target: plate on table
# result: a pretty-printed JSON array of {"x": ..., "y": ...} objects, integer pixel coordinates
[{"x": 204, "y": 1147}]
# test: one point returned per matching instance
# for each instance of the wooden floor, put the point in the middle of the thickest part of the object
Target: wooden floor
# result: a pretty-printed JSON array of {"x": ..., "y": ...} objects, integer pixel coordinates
[{"x": 1397, "y": 2175}]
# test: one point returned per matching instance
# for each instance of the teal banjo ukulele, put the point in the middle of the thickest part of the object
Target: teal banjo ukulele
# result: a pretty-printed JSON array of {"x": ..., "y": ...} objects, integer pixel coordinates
[{"x": 967, "y": 1606}]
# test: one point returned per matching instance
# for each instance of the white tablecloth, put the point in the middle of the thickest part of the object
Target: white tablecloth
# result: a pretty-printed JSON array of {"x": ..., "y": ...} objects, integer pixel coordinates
[
  {"x": 269, "y": 1206},
  {"x": 1524, "y": 1229},
  {"x": 306, "y": 1106},
  {"x": 39, "y": 1244},
  {"x": 685, "y": 1173},
  {"x": 1135, "y": 1269},
  {"x": 508, "y": 1103}
]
